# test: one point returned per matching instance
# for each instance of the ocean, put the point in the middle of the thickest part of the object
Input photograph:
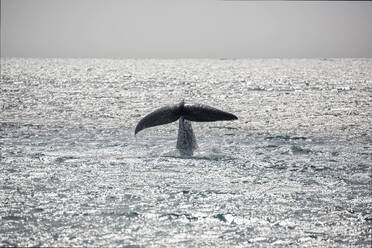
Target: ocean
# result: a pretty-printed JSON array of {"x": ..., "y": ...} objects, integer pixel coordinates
[{"x": 293, "y": 171}]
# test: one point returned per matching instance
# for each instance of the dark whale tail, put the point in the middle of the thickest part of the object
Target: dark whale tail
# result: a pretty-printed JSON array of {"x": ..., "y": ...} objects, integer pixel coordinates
[{"x": 168, "y": 114}]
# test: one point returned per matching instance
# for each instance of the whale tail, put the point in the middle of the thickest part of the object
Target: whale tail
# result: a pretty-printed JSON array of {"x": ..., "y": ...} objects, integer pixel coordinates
[{"x": 168, "y": 114}]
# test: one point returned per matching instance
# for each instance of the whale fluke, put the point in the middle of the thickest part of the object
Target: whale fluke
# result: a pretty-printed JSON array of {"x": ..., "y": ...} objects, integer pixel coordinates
[
  {"x": 168, "y": 114},
  {"x": 160, "y": 116},
  {"x": 186, "y": 142},
  {"x": 204, "y": 113}
]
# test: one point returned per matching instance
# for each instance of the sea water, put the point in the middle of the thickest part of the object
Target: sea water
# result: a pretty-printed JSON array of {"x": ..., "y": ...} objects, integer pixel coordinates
[{"x": 293, "y": 170}]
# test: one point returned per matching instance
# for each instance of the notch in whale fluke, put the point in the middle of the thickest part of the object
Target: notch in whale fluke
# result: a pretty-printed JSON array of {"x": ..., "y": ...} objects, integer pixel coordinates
[{"x": 197, "y": 112}]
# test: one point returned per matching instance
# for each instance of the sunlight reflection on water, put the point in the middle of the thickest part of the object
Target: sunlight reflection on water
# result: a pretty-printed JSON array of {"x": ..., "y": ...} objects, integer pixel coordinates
[{"x": 294, "y": 170}]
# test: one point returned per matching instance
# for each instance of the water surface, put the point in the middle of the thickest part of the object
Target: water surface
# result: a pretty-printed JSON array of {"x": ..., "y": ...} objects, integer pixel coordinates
[{"x": 294, "y": 170}]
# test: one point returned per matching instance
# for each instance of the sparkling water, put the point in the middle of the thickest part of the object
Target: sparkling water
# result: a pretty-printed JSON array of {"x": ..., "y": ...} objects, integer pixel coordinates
[{"x": 293, "y": 170}]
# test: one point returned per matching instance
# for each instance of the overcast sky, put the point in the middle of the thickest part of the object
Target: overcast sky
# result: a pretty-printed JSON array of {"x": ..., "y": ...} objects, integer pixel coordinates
[{"x": 185, "y": 29}]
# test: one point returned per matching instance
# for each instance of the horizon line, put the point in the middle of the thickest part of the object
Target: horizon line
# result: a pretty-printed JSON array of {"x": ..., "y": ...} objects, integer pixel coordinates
[{"x": 176, "y": 58}]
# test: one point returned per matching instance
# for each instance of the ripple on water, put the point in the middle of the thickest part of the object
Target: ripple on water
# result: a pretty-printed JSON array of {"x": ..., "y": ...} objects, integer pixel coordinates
[{"x": 292, "y": 171}]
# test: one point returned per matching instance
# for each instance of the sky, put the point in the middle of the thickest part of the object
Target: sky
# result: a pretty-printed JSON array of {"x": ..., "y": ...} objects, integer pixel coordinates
[{"x": 185, "y": 29}]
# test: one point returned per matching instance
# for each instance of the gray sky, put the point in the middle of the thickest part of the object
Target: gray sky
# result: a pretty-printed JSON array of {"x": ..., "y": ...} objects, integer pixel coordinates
[{"x": 185, "y": 29}]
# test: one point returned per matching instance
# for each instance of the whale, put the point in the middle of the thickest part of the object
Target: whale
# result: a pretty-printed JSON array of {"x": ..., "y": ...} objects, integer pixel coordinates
[{"x": 186, "y": 114}]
